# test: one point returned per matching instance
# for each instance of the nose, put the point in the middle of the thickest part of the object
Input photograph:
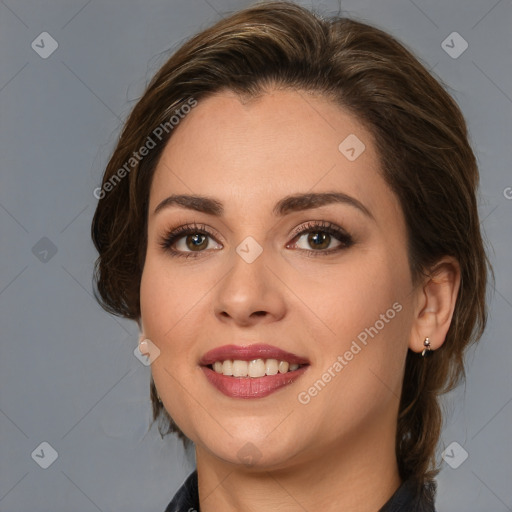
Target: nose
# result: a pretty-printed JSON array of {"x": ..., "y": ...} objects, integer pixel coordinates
[{"x": 250, "y": 293}]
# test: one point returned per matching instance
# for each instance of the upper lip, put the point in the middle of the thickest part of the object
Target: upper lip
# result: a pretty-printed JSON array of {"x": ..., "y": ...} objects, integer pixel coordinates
[{"x": 248, "y": 353}]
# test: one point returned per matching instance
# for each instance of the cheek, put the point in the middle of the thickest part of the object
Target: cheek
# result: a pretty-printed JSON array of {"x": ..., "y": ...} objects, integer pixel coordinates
[
  {"x": 166, "y": 306},
  {"x": 377, "y": 317},
  {"x": 166, "y": 295},
  {"x": 365, "y": 317},
  {"x": 153, "y": 298},
  {"x": 351, "y": 296},
  {"x": 175, "y": 303},
  {"x": 165, "y": 299}
]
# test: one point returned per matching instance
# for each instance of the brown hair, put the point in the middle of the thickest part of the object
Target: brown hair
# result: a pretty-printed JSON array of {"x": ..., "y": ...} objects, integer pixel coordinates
[{"x": 422, "y": 141}]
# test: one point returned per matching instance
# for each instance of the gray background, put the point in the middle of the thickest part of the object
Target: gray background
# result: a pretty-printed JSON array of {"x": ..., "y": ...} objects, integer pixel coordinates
[{"x": 68, "y": 375}]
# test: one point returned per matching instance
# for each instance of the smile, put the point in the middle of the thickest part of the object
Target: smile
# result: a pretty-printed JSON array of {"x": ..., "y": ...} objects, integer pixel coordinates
[{"x": 253, "y": 371}]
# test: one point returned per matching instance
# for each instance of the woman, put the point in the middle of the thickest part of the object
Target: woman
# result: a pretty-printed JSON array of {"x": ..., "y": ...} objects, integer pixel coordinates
[{"x": 290, "y": 216}]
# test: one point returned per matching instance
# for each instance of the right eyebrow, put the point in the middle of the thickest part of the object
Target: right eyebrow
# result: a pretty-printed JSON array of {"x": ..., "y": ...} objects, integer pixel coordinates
[{"x": 197, "y": 203}]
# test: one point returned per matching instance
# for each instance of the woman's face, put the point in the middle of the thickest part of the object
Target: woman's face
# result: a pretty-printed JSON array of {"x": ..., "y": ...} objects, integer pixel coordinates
[{"x": 326, "y": 280}]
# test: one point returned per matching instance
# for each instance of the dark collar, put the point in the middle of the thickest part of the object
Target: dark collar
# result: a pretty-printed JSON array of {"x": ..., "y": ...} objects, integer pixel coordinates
[{"x": 407, "y": 498}]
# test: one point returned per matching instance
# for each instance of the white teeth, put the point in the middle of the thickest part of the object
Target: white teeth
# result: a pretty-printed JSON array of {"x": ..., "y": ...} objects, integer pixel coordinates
[
  {"x": 271, "y": 366},
  {"x": 254, "y": 368},
  {"x": 283, "y": 366},
  {"x": 240, "y": 368},
  {"x": 226, "y": 367}
]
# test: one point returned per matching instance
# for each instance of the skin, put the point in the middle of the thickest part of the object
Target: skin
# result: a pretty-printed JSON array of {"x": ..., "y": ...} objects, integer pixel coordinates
[{"x": 336, "y": 452}]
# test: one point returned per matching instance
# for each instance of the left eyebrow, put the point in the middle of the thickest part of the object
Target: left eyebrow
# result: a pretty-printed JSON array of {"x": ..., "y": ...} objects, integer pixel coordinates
[
  {"x": 289, "y": 204},
  {"x": 300, "y": 202}
]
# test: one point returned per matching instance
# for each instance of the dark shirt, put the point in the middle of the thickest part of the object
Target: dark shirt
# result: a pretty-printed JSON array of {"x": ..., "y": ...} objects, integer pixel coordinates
[{"x": 406, "y": 498}]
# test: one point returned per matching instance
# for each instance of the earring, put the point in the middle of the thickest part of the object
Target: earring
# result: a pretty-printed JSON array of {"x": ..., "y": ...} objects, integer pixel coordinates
[
  {"x": 427, "y": 348},
  {"x": 143, "y": 345}
]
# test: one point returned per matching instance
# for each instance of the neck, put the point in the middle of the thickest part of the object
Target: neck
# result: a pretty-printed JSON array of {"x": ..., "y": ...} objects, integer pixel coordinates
[{"x": 359, "y": 474}]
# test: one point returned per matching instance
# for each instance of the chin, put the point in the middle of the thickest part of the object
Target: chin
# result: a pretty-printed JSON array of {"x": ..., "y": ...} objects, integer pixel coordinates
[{"x": 257, "y": 452}]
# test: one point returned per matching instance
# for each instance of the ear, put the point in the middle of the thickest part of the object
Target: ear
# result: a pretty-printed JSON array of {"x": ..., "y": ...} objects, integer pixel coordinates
[{"x": 437, "y": 297}]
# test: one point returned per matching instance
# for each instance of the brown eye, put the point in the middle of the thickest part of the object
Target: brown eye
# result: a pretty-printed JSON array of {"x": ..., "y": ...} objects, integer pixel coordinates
[
  {"x": 189, "y": 240},
  {"x": 319, "y": 240},
  {"x": 196, "y": 242}
]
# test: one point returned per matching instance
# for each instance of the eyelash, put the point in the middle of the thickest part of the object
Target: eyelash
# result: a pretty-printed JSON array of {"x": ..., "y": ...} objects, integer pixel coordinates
[{"x": 311, "y": 227}]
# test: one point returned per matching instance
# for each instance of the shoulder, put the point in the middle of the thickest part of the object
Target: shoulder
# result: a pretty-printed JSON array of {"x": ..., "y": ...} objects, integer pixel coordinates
[
  {"x": 186, "y": 498},
  {"x": 412, "y": 496}
]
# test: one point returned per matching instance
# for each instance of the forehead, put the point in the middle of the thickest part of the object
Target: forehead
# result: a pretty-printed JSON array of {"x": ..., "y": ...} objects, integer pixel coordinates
[{"x": 283, "y": 142}]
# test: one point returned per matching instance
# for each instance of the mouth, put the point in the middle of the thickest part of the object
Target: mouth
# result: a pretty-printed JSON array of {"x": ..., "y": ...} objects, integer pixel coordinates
[{"x": 253, "y": 371}]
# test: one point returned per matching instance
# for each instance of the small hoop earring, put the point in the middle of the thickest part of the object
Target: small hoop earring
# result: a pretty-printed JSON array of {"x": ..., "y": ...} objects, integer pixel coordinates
[{"x": 427, "y": 348}]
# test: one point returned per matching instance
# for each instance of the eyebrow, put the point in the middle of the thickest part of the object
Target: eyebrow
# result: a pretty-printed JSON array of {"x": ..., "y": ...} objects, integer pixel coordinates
[{"x": 289, "y": 204}]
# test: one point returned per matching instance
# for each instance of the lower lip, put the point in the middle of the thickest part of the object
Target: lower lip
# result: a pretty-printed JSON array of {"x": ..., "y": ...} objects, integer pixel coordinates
[{"x": 251, "y": 387}]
